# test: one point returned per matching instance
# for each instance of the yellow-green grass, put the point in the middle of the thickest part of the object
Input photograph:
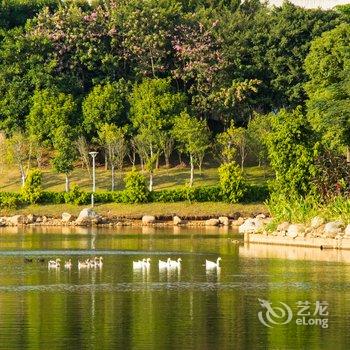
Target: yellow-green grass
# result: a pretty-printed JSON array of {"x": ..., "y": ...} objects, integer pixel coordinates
[
  {"x": 137, "y": 210},
  {"x": 163, "y": 179}
]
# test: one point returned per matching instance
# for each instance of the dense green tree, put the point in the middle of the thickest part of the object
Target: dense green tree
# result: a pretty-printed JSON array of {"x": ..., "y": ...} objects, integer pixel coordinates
[
  {"x": 114, "y": 141},
  {"x": 105, "y": 104},
  {"x": 193, "y": 137},
  {"x": 51, "y": 109},
  {"x": 291, "y": 147},
  {"x": 65, "y": 152},
  {"x": 328, "y": 66}
]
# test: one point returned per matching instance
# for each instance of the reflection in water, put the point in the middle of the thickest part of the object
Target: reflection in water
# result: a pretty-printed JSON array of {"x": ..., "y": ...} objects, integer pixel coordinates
[{"x": 117, "y": 307}]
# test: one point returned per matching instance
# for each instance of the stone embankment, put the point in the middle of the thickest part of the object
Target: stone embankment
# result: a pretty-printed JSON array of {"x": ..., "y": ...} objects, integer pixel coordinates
[
  {"x": 318, "y": 233},
  {"x": 88, "y": 217}
]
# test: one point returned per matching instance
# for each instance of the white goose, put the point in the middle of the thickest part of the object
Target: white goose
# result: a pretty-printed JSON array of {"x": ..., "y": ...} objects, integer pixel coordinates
[
  {"x": 164, "y": 264},
  {"x": 146, "y": 263},
  {"x": 175, "y": 263},
  {"x": 138, "y": 264},
  {"x": 83, "y": 264},
  {"x": 98, "y": 262},
  {"x": 54, "y": 263},
  {"x": 211, "y": 264},
  {"x": 68, "y": 264}
]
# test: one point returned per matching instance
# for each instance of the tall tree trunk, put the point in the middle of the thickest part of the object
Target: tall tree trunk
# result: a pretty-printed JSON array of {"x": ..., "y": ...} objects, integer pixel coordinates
[
  {"x": 151, "y": 181},
  {"x": 192, "y": 170},
  {"x": 348, "y": 154},
  {"x": 157, "y": 163},
  {"x": 113, "y": 181},
  {"x": 180, "y": 157},
  {"x": 23, "y": 175},
  {"x": 142, "y": 164},
  {"x": 106, "y": 160},
  {"x": 67, "y": 183},
  {"x": 167, "y": 161}
]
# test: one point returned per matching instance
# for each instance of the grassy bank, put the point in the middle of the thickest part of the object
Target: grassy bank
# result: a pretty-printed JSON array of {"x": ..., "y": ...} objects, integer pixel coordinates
[
  {"x": 136, "y": 210},
  {"x": 164, "y": 178}
]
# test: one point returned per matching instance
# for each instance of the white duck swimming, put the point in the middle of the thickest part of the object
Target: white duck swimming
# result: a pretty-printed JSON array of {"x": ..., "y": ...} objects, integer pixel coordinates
[
  {"x": 138, "y": 264},
  {"x": 68, "y": 264},
  {"x": 175, "y": 263},
  {"x": 146, "y": 263},
  {"x": 211, "y": 264},
  {"x": 98, "y": 262},
  {"x": 83, "y": 264},
  {"x": 164, "y": 264},
  {"x": 54, "y": 263}
]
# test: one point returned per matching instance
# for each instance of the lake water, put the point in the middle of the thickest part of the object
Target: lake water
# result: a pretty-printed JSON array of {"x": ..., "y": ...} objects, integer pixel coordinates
[{"x": 118, "y": 308}]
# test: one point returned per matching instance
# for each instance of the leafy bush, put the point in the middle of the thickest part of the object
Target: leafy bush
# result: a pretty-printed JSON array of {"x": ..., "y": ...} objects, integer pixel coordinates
[
  {"x": 256, "y": 193},
  {"x": 135, "y": 187},
  {"x": 10, "y": 200},
  {"x": 32, "y": 189},
  {"x": 48, "y": 197},
  {"x": 76, "y": 196},
  {"x": 291, "y": 147},
  {"x": 232, "y": 183}
]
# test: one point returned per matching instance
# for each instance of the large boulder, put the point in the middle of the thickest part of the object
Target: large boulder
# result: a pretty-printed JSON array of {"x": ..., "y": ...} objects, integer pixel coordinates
[
  {"x": 283, "y": 227},
  {"x": 212, "y": 222},
  {"x": 148, "y": 219},
  {"x": 17, "y": 220},
  {"x": 224, "y": 220},
  {"x": 317, "y": 221},
  {"x": 333, "y": 228},
  {"x": 66, "y": 217},
  {"x": 347, "y": 231},
  {"x": 295, "y": 230},
  {"x": 251, "y": 226},
  {"x": 238, "y": 222},
  {"x": 177, "y": 220},
  {"x": 87, "y": 217}
]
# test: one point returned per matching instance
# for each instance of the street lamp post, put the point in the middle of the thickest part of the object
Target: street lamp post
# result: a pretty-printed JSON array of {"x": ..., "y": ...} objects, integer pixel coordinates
[{"x": 93, "y": 155}]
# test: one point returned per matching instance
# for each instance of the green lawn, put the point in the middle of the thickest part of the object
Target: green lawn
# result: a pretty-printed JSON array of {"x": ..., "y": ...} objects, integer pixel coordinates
[
  {"x": 164, "y": 178},
  {"x": 137, "y": 210}
]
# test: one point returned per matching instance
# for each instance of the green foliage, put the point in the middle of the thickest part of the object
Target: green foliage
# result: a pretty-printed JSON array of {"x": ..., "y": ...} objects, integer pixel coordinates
[
  {"x": 192, "y": 134},
  {"x": 32, "y": 190},
  {"x": 232, "y": 183},
  {"x": 77, "y": 196},
  {"x": 51, "y": 109},
  {"x": 10, "y": 200},
  {"x": 105, "y": 104},
  {"x": 135, "y": 187},
  {"x": 328, "y": 67},
  {"x": 65, "y": 152},
  {"x": 292, "y": 208},
  {"x": 153, "y": 105},
  {"x": 291, "y": 147}
]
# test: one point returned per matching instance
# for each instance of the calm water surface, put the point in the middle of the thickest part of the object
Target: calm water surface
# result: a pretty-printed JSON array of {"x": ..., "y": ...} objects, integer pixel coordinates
[{"x": 118, "y": 308}]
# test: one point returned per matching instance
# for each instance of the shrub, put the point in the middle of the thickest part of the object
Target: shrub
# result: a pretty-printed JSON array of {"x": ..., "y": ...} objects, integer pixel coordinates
[
  {"x": 10, "y": 200},
  {"x": 256, "y": 193},
  {"x": 48, "y": 197},
  {"x": 32, "y": 189},
  {"x": 135, "y": 187},
  {"x": 76, "y": 196},
  {"x": 232, "y": 183}
]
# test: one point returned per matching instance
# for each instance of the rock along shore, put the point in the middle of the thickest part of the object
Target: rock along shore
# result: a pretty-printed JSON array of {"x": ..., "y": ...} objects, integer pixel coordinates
[{"x": 318, "y": 233}]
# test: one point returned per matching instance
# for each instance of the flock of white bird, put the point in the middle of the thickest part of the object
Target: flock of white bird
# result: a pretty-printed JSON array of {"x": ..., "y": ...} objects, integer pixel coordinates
[
  {"x": 172, "y": 264},
  {"x": 86, "y": 264},
  {"x": 97, "y": 262}
]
